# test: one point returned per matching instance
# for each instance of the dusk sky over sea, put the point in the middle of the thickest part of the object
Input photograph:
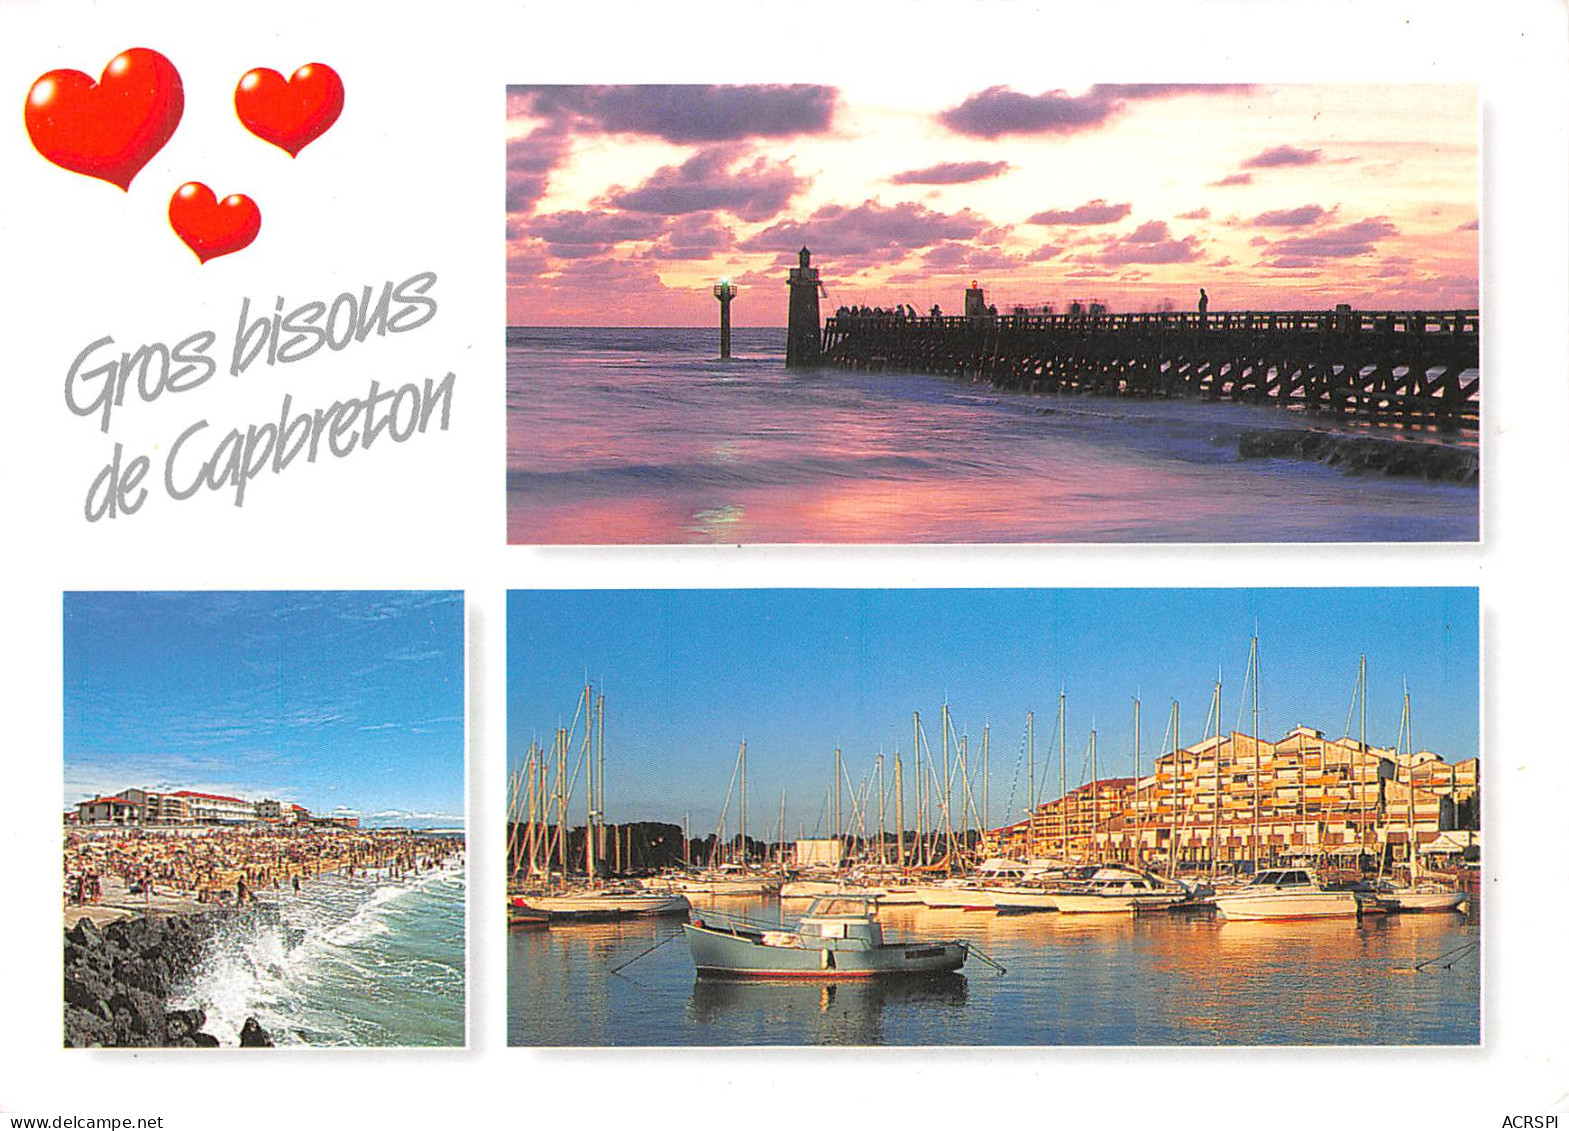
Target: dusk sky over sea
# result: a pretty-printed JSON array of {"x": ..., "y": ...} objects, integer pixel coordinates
[
  {"x": 626, "y": 204},
  {"x": 687, "y": 674},
  {"x": 339, "y": 701}
]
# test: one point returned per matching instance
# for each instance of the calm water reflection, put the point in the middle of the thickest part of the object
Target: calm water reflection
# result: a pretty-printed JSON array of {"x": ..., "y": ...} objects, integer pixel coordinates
[
  {"x": 641, "y": 435},
  {"x": 1072, "y": 979}
]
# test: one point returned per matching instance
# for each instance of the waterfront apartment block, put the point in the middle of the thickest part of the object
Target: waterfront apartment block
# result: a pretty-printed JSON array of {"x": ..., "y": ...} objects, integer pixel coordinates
[
  {"x": 143, "y": 808},
  {"x": 1234, "y": 798}
]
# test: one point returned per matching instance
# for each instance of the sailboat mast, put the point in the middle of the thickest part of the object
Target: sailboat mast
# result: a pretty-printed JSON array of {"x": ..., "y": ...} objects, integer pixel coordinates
[
  {"x": 1176, "y": 789},
  {"x": 986, "y": 779},
  {"x": 1094, "y": 799},
  {"x": 561, "y": 799},
  {"x": 1029, "y": 824},
  {"x": 742, "y": 820},
  {"x": 588, "y": 815},
  {"x": 898, "y": 802},
  {"x": 920, "y": 832},
  {"x": 1258, "y": 758},
  {"x": 882, "y": 815},
  {"x": 1214, "y": 829},
  {"x": 948, "y": 796},
  {"x": 1361, "y": 763},
  {"x": 1062, "y": 764},
  {"x": 599, "y": 796},
  {"x": 1138, "y": 811},
  {"x": 1405, "y": 723}
]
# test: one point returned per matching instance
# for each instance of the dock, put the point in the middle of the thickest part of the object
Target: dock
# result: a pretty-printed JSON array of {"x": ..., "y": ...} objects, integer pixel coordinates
[{"x": 1415, "y": 369}]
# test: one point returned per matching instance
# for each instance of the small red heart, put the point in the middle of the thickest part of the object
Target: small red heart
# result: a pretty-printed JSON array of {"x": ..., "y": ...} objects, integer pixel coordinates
[
  {"x": 107, "y": 129},
  {"x": 208, "y": 227},
  {"x": 291, "y": 113}
]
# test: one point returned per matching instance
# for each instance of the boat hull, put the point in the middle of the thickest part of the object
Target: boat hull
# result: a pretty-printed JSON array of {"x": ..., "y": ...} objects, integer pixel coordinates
[
  {"x": 1420, "y": 901},
  {"x": 726, "y": 954},
  {"x": 1307, "y": 905},
  {"x": 956, "y": 898},
  {"x": 598, "y": 905}
]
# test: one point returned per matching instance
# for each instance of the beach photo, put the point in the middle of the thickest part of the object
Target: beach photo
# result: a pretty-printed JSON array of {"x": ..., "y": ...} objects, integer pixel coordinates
[
  {"x": 932, "y": 312},
  {"x": 264, "y": 830},
  {"x": 1106, "y": 817}
]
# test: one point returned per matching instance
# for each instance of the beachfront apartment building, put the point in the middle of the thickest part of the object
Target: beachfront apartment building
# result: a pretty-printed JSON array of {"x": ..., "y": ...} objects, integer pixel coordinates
[
  {"x": 1234, "y": 798},
  {"x": 216, "y": 809}
]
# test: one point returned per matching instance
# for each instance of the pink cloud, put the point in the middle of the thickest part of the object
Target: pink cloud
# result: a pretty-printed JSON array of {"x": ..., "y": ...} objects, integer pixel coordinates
[
  {"x": 707, "y": 182},
  {"x": 1282, "y": 156},
  {"x": 952, "y": 173},
  {"x": 1092, "y": 212}
]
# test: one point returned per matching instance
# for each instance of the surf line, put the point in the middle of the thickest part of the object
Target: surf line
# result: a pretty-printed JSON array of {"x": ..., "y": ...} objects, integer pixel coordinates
[{"x": 341, "y": 429}]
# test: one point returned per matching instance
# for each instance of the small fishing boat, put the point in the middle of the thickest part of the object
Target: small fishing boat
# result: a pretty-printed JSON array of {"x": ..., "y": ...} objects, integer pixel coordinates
[
  {"x": 605, "y": 903},
  {"x": 1289, "y": 893},
  {"x": 838, "y": 937}
]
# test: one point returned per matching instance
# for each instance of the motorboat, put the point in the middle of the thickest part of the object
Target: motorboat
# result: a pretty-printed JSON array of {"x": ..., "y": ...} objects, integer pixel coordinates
[
  {"x": 1287, "y": 893},
  {"x": 957, "y": 895},
  {"x": 1118, "y": 888},
  {"x": 838, "y": 937}
]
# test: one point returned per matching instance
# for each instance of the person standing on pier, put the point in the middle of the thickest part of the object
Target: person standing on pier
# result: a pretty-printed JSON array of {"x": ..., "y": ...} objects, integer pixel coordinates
[{"x": 1203, "y": 303}]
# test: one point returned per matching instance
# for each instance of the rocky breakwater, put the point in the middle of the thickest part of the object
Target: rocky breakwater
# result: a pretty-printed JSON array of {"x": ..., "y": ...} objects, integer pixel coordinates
[
  {"x": 1365, "y": 454},
  {"x": 119, "y": 978}
]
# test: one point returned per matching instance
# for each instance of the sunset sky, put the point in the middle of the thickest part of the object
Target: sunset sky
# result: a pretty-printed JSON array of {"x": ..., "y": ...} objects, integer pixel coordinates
[{"x": 626, "y": 204}]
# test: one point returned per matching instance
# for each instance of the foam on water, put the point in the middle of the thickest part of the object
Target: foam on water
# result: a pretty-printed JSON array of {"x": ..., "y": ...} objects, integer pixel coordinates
[{"x": 345, "y": 961}]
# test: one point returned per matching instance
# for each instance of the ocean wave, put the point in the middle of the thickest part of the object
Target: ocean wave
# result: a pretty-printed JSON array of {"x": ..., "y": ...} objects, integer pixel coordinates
[{"x": 297, "y": 960}]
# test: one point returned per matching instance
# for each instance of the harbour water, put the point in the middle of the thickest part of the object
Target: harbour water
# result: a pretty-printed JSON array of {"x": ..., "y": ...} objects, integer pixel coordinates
[
  {"x": 1170, "y": 979},
  {"x": 644, "y": 436},
  {"x": 347, "y": 961}
]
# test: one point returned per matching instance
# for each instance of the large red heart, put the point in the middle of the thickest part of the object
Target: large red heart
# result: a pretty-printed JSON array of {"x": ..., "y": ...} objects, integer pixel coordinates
[
  {"x": 291, "y": 113},
  {"x": 209, "y": 227},
  {"x": 107, "y": 129}
]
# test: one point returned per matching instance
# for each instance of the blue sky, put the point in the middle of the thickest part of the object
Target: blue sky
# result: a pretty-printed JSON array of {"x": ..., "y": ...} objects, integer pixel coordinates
[
  {"x": 339, "y": 701},
  {"x": 688, "y": 673}
]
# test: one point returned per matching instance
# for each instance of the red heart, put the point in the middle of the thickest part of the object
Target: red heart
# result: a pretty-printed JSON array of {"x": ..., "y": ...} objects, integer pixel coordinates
[
  {"x": 210, "y": 228},
  {"x": 289, "y": 113},
  {"x": 107, "y": 129}
]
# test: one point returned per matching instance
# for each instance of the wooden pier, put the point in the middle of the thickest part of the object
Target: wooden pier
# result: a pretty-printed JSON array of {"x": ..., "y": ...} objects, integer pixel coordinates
[{"x": 1417, "y": 369}]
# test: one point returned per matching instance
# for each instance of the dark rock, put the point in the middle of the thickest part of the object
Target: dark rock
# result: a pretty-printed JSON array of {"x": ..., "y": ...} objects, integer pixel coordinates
[
  {"x": 253, "y": 1036},
  {"x": 118, "y": 979},
  {"x": 1360, "y": 453}
]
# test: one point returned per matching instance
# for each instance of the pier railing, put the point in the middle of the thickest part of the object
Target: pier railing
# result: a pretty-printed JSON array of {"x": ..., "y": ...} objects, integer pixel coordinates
[{"x": 1416, "y": 368}]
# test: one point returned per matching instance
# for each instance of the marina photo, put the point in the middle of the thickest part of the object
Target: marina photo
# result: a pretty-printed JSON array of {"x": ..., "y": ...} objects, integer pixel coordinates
[
  {"x": 823, "y": 817},
  {"x": 264, "y": 838},
  {"x": 813, "y": 313}
]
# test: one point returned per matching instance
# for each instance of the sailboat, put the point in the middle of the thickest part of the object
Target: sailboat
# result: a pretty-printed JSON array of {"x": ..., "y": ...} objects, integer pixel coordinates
[
  {"x": 557, "y": 897},
  {"x": 1417, "y": 893}
]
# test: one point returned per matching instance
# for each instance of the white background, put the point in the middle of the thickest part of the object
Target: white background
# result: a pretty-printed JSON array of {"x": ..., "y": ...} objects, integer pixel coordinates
[{"x": 411, "y": 179}]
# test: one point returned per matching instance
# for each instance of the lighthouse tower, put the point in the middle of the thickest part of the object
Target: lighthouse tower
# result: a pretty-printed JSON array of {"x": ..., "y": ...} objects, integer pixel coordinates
[
  {"x": 724, "y": 291},
  {"x": 803, "y": 339}
]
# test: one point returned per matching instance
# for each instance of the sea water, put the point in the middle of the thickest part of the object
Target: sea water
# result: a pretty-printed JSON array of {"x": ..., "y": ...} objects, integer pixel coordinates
[
  {"x": 1185, "y": 978},
  {"x": 346, "y": 961},
  {"x": 644, "y": 436}
]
